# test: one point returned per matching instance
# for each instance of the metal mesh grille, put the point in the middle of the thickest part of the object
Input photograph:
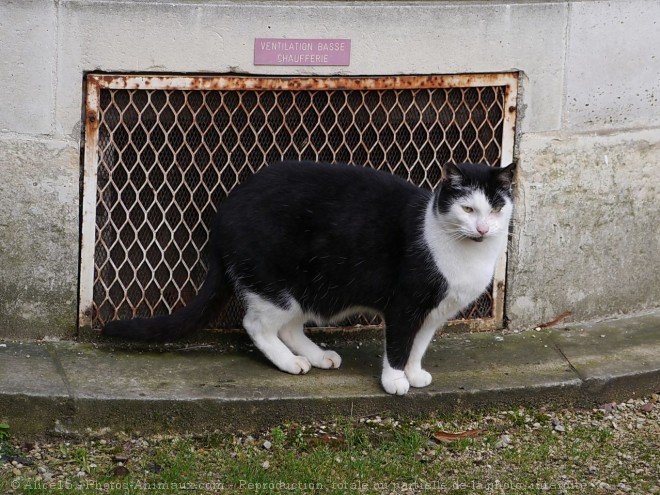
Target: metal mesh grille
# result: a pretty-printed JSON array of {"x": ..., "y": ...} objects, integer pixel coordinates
[{"x": 167, "y": 158}]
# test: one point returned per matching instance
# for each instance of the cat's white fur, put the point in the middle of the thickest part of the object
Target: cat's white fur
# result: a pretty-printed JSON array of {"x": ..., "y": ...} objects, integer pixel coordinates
[
  {"x": 467, "y": 265},
  {"x": 279, "y": 334}
]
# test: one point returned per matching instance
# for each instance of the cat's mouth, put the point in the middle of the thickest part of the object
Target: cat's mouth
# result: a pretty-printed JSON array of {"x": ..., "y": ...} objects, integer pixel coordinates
[{"x": 477, "y": 239}]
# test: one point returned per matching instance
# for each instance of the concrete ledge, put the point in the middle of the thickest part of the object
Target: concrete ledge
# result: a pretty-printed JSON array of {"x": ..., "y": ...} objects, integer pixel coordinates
[{"x": 50, "y": 387}]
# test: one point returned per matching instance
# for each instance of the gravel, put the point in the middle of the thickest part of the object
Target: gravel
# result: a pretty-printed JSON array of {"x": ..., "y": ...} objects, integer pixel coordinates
[{"x": 612, "y": 448}]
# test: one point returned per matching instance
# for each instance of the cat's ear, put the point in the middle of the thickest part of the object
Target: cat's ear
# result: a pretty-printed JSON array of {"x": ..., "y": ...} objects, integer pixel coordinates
[
  {"x": 451, "y": 174},
  {"x": 505, "y": 175}
]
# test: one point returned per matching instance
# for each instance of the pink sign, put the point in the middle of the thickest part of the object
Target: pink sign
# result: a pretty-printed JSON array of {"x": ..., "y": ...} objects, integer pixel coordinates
[{"x": 284, "y": 51}]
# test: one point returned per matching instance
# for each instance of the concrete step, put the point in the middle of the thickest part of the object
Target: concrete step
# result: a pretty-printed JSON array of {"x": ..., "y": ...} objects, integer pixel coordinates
[{"x": 71, "y": 386}]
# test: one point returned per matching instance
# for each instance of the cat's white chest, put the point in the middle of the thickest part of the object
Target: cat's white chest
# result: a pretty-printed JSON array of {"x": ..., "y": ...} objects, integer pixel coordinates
[
  {"x": 468, "y": 267},
  {"x": 466, "y": 280}
]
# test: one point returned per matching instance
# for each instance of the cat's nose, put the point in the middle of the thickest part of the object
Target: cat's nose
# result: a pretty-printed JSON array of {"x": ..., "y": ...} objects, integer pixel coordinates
[{"x": 482, "y": 229}]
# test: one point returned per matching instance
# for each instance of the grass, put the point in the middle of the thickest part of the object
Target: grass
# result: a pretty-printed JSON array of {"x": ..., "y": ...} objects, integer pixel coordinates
[
  {"x": 595, "y": 453},
  {"x": 4, "y": 430}
]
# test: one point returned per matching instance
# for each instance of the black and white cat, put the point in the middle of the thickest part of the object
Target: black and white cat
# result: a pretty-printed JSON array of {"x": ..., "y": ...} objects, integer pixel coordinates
[{"x": 303, "y": 241}]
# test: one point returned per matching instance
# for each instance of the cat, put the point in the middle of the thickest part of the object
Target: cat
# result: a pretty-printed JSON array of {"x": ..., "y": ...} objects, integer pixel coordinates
[{"x": 305, "y": 241}]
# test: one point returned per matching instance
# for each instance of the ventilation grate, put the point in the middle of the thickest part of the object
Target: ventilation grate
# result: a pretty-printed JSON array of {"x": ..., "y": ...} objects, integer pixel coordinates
[{"x": 164, "y": 158}]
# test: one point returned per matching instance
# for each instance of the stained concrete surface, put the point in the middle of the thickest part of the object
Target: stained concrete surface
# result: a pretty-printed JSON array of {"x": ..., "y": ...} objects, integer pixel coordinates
[
  {"x": 48, "y": 387},
  {"x": 587, "y": 140}
]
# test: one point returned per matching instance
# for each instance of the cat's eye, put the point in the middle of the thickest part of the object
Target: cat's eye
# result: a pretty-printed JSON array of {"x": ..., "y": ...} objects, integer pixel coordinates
[
  {"x": 468, "y": 209},
  {"x": 497, "y": 209}
]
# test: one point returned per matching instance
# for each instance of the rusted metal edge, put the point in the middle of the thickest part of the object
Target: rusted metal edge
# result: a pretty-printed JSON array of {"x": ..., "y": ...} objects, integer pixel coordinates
[
  {"x": 256, "y": 83},
  {"x": 96, "y": 82},
  {"x": 473, "y": 325},
  {"x": 509, "y": 121},
  {"x": 507, "y": 147},
  {"x": 88, "y": 229},
  {"x": 451, "y": 326}
]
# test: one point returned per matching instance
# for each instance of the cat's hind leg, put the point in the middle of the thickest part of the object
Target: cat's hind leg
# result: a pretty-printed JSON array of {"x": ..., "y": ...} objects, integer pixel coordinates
[
  {"x": 263, "y": 319},
  {"x": 293, "y": 335}
]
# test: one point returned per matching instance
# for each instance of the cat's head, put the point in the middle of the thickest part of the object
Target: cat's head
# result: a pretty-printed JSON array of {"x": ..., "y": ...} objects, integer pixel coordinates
[{"x": 474, "y": 201}]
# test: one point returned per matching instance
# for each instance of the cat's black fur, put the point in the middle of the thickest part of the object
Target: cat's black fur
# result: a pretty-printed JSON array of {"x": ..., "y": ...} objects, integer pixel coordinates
[{"x": 332, "y": 237}]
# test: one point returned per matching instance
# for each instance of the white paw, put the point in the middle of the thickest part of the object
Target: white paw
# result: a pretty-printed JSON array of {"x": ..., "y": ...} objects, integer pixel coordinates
[
  {"x": 329, "y": 359},
  {"x": 394, "y": 381},
  {"x": 419, "y": 378},
  {"x": 297, "y": 366}
]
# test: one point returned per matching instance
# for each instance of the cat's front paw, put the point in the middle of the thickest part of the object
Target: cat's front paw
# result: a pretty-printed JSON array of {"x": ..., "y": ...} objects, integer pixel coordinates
[
  {"x": 329, "y": 359},
  {"x": 394, "y": 381},
  {"x": 299, "y": 365},
  {"x": 419, "y": 378}
]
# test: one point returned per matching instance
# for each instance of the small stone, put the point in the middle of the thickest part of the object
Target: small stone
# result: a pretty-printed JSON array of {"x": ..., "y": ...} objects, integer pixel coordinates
[
  {"x": 503, "y": 441},
  {"x": 265, "y": 464},
  {"x": 499, "y": 338},
  {"x": 16, "y": 471},
  {"x": 120, "y": 471},
  {"x": 268, "y": 445},
  {"x": 81, "y": 474},
  {"x": 593, "y": 469},
  {"x": 557, "y": 426},
  {"x": 103, "y": 441}
]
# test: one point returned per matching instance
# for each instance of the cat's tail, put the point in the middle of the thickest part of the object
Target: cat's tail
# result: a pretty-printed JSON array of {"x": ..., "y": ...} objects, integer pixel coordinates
[{"x": 209, "y": 301}]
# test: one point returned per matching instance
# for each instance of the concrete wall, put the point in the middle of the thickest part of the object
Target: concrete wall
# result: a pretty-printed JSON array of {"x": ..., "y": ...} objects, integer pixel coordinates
[{"x": 585, "y": 234}]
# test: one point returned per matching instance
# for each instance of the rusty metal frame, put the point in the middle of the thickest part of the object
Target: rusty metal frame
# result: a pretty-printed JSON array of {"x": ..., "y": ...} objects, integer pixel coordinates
[{"x": 96, "y": 82}]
